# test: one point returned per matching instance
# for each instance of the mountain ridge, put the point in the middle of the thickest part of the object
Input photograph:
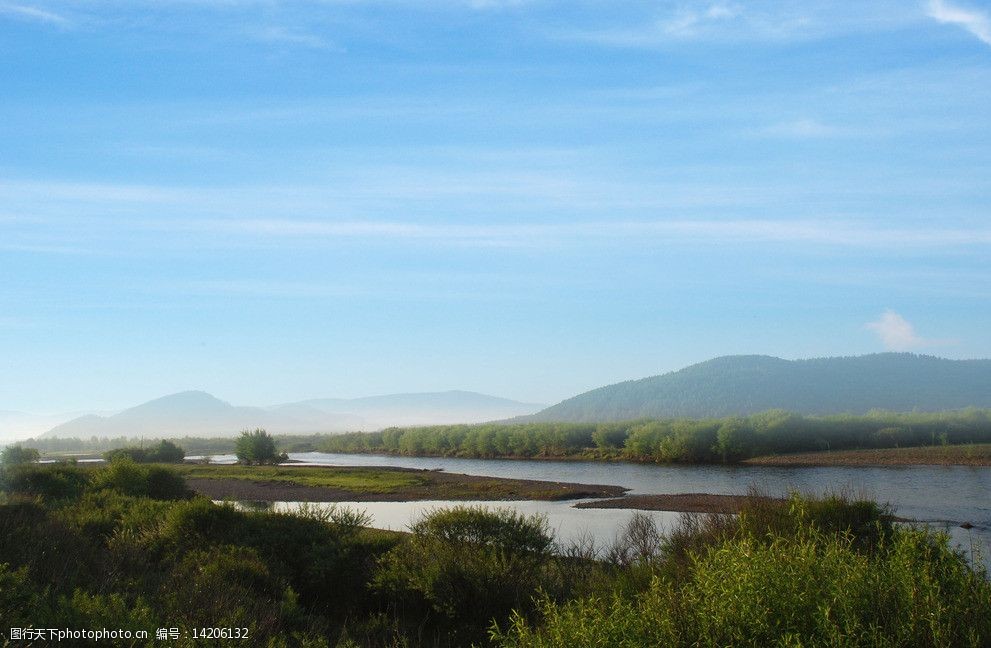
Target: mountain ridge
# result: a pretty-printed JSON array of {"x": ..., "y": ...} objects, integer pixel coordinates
[
  {"x": 198, "y": 413},
  {"x": 747, "y": 384}
]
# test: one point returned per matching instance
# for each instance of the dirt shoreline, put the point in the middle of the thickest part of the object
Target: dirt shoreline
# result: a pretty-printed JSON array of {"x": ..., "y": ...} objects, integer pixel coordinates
[
  {"x": 679, "y": 502},
  {"x": 434, "y": 485},
  {"x": 978, "y": 455}
]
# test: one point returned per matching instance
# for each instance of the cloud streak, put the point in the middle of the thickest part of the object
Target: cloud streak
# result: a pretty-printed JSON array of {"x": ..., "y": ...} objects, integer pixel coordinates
[
  {"x": 976, "y": 22},
  {"x": 842, "y": 234},
  {"x": 284, "y": 36},
  {"x": 32, "y": 13},
  {"x": 687, "y": 24},
  {"x": 799, "y": 129}
]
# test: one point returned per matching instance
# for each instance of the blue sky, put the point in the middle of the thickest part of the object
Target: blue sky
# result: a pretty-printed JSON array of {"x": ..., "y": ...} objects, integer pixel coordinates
[{"x": 277, "y": 200}]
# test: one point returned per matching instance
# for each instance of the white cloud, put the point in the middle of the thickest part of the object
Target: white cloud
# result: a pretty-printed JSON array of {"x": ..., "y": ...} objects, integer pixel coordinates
[
  {"x": 896, "y": 333},
  {"x": 32, "y": 13},
  {"x": 976, "y": 22}
]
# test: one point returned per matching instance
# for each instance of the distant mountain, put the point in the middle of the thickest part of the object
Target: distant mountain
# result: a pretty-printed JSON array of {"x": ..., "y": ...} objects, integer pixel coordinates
[
  {"x": 430, "y": 408},
  {"x": 192, "y": 413},
  {"x": 196, "y": 413},
  {"x": 15, "y": 426},
  {"x": 732, "y": 385}
]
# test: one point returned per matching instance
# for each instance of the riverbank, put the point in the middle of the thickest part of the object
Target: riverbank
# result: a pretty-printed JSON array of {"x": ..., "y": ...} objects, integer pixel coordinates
[
  {"x": 679, "y": 503},
  {"x": 373, "y": 484},
  {"x": 953, "y": 455}
]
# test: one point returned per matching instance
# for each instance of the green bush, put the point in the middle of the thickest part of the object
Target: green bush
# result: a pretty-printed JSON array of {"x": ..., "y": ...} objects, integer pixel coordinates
[
  {"x": 501, "y": 529},
  {"x": 20, "y": 598},
  {"x": 15, "y": 455},
  {"x": 327, "y": 563},
  {"x": 470, "y": 565},
  {"x": 809, "y": 589},
  {"x": 257, "y": 447},
  {"x": 113, "y": 610},
  {"x": 229, "y": 586},
  {"x": 129, "y": 478},
  {"x": 52, "y": 481},
  {"x": 162, "y": 452},
  {"x": 54, "y": 552}
]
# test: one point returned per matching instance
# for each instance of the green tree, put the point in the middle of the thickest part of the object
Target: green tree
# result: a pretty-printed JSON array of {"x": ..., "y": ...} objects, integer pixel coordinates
[
  {"x": 162, "y": 452},
  {"x": 15, "y": 455},
  {"x": 734, "y": 440},
  {"x": 257, "y": 447},
  {"x": 167, "y": 452}
]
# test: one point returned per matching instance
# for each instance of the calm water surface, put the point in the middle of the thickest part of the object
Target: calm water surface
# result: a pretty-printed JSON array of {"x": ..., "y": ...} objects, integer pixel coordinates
[{"x": 944, "y": 496}]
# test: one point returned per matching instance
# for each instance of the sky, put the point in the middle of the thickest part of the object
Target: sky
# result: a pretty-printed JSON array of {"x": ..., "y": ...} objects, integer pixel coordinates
[{"x": 273, "y": 200}]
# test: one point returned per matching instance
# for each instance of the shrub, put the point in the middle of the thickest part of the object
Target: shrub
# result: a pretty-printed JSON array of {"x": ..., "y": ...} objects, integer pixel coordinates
[
  {"x": 15, "y": 455},
  {"x": 229, "y": 586},
  {"x": 257, "y": 447},
  {"x": 20, "y": 598},
  {"x": 811, "y": 588},
  {"x": 327, "y": 563},
  {"x": 502, "y": 529},
  {"x": 470, "y": 565},
  {"x": 113, "y": 610},
  {"x": 162, "y": 452},
  {"x": 129, "y": 478},
  {"x": 53, "y": 551},
  {"x": 54, "y": 481}
]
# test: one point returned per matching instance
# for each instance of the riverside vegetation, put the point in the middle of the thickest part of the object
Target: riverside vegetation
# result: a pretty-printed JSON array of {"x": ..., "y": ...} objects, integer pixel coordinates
[
  {"x": 127, "y": 545},
  {"x": 718, "y": 440},
  {"x": 715, "y": 440}
]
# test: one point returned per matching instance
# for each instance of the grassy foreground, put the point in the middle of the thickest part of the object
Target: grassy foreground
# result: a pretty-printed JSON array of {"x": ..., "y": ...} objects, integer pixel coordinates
[{"x": 128, "y": 547}]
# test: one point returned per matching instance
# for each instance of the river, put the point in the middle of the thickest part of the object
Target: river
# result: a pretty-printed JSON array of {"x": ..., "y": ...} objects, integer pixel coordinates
[{"x": 942, "y": 496}]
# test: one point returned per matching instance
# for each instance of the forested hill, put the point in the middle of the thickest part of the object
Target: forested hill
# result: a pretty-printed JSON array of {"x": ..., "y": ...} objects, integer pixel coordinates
[{"x": 732, "y": 385}]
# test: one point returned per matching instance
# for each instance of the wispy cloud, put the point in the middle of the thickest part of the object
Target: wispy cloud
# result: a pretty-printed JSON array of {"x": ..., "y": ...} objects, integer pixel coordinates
[
  {"x": 897, "y": 334},
  {"x": 28, "y": 12},
  {"x": 758, "y": 21},
  {"x": 260, "y": 288},
  {"x": 688, "y": 23},
  {"x": 799, "y": 129},
  {"x": 286, "y": 36},
  {"x": 844, "y": 234},
  {"x": 976, "y": 22},
  {"x": 495, "y": 4}
]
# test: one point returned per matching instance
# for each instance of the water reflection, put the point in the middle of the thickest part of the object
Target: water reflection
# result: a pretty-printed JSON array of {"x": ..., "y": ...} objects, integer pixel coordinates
[
  {"x": 943, "y": 496},
  {"x": 566, "y": 522}
]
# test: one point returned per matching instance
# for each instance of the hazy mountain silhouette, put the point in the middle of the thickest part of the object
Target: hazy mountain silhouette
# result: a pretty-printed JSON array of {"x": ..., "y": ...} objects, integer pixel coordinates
[
  {"x": 196, "y": 413},
  {"x": 431, "y": 408},
  {"x": 747, "y": 384},
  {"x": 21, "y": 425}
]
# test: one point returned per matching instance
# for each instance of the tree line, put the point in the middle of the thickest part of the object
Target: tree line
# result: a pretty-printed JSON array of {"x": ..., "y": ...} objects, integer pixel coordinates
[{"x": 715, "y": 440}]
